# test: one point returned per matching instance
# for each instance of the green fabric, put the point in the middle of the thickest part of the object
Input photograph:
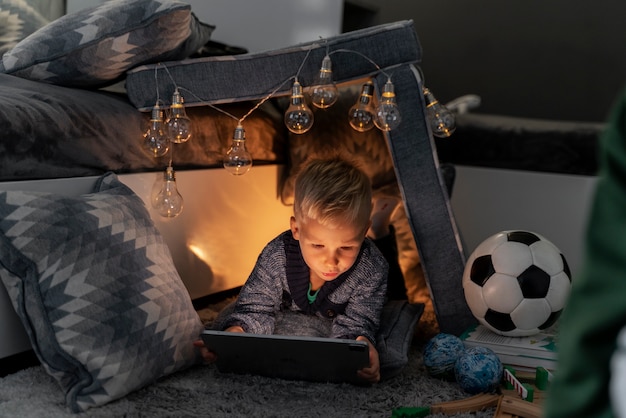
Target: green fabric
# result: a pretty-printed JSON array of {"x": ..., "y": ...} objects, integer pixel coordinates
[
  {"x": 596, "y": 309},
  {"x": 311, "y": 297}
]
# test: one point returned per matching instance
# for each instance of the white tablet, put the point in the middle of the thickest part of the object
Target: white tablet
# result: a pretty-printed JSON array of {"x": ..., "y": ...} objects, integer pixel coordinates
[{"x": 288, "y": 357}]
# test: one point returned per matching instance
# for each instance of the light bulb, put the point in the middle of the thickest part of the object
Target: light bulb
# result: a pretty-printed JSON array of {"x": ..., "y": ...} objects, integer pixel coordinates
[
  {"x": 361, "y": 115},
  {"x": 178, "y": 123},
  {"x": 238, "y": 160},
  {"x": 156, "y": 141},
  {"x": 387, "y": 112},
  {"x": 324, "y": 92},
  {"x": 167, "y": 201},
  {"x": 440, "y": 118},
  {"x": 298, "y": 116}
]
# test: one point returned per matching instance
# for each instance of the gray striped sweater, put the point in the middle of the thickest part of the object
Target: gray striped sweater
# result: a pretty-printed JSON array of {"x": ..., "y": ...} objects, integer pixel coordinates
[{"x": 279, "y": 282}]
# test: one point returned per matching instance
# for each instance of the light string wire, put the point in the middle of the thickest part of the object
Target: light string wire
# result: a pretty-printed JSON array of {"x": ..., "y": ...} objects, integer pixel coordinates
[
  {"x": 363, "y": 56},
  {"x": 271, "y": 94},
  {"x": 201, "y": 101},
  {"x": 156, "y": 81}
]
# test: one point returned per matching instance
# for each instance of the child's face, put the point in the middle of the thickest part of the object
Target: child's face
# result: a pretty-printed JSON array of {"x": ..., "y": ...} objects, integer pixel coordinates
[{"x": 327, "y": 250}]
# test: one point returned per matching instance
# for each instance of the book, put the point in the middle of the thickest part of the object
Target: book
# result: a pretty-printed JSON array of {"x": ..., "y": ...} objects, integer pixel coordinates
[{"x": 529, "y": 352}]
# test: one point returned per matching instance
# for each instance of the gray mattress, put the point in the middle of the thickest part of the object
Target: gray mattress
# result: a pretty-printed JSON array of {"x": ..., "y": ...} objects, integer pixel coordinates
[{"x": 49, "y": 131}]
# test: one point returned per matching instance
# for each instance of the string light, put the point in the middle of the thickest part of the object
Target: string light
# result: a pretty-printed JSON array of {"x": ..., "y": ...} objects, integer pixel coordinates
[
  {"x": 324, "y": 92},
  {"x": 442, "y": 121},
  {"x": 156, "y": 141},
  {"x": 298, "y": 116},
  {"x": 238, "y": 160},
  {"x": 361, "y": 115},
  {"x": 387, "y": 112},
  {"x": 167, "y": 201},
  {"x": 178, "y": 123}
]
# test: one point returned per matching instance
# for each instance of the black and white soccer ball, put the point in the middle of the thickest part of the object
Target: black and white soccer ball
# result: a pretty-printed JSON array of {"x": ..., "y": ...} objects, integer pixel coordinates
[{"x": 516, "y": 283}]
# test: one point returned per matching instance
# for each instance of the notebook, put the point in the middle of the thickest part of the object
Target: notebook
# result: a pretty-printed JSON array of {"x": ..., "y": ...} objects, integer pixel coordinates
[{"x": 288, "y": 357}]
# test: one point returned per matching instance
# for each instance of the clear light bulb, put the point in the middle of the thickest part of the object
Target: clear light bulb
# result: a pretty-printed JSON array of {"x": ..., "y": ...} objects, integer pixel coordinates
[
  {"x": 361, "y": 115},
  {"x": 238, "y": 160},
  {"x": 156, "y": 141},
  {"x": 387, "y": 111},
  {"x": 298, "y": 116},
  {"x": 167, "y": 201},
  {"x": 324, "y": 92},
  {"x": 178, "y": 123},
  {"x": 442, "y": 121}
]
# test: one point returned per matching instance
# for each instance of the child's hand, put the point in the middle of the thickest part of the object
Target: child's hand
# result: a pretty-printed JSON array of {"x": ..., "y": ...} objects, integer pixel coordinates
[
  {"x": 207, "y": 355},
  {"x": 372, "y": 372},
  {"x": 234, "y": 328}
]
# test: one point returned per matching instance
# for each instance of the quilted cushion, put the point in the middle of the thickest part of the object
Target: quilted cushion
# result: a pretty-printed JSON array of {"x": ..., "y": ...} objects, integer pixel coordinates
[
  {"x": 96, "y": 289},
  {"x": 95, "y": 132},
  {"x": 96, "y": 45}
]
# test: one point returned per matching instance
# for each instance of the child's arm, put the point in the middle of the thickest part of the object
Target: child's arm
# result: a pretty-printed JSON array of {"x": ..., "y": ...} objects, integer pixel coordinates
[
  {"x": 261, "y": 295},
  {"x": 364, "y": 293}
]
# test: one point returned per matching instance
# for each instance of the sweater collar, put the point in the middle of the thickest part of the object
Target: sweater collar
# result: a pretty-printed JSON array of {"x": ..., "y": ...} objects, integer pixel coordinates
[{"x": 298, "y": 276}]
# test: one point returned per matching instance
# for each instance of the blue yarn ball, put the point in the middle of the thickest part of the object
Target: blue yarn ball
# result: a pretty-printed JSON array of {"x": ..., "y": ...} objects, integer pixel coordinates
[
  {"x": 478, "y": 369},
  {"x": 440, "y": 355}
]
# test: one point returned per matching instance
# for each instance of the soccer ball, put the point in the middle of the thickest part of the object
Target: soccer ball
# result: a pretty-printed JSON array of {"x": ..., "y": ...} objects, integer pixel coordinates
[{"x": 516, "y": 283}]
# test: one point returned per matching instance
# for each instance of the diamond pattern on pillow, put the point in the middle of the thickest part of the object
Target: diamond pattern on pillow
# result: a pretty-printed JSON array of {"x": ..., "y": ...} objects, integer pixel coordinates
[
  {"x": 95, "y": 46},
  {"x": 96, "y": 289},
  {"x": 18, "y": 19}
]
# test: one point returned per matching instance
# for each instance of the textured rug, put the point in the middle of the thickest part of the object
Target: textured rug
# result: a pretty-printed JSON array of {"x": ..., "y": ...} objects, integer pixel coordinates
[{"x": 202, "y": 391}]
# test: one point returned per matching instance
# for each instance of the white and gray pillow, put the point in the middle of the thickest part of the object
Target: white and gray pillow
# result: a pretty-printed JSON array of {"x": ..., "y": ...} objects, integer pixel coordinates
[
  {"x": 18, "y": 19},
  {"x": 96, "y": 46},
  {"x": 95, "y": 287}
]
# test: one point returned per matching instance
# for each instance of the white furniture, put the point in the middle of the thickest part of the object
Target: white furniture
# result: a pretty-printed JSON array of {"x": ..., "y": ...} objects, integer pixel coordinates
[{"x": 486, "y": 201}]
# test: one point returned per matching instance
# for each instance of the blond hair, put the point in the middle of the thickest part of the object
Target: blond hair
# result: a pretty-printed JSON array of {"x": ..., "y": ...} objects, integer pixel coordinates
[{"x": 333, "y": 191}]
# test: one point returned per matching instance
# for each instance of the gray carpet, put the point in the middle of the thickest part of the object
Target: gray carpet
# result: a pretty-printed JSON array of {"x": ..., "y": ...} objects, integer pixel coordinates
[{"x": 204, "y": 392}]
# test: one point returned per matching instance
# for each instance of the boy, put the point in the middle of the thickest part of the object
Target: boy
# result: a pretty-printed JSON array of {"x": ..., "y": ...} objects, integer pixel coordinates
[{"x": 323, "y": 265}]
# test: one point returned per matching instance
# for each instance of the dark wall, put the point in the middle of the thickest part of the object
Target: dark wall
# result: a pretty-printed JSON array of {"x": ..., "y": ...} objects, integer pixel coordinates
[{"x": 547, "y": 59}]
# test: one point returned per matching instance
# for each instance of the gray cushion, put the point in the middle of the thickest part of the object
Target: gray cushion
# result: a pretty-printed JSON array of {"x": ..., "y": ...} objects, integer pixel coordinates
[
  {"x": 95, "y": 46},
  {"x": 58, "y": 131},
  {"x": 226, "y": 79},
  {"x": 393, "y": 341},
  {"x": 96, "y": 289}
]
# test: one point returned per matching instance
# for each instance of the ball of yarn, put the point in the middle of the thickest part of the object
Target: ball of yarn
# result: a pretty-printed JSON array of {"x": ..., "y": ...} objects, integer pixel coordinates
[
  {"x": 478, "y": 369},
  {"x": 440, "y": 355}
]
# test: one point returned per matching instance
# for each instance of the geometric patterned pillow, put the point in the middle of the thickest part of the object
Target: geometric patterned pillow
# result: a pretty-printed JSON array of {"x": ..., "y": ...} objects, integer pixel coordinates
[
  {"x": 18, "y": 19},
  {"x": 96, "y": 45},
  {"x": 95, "y": 287}
]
